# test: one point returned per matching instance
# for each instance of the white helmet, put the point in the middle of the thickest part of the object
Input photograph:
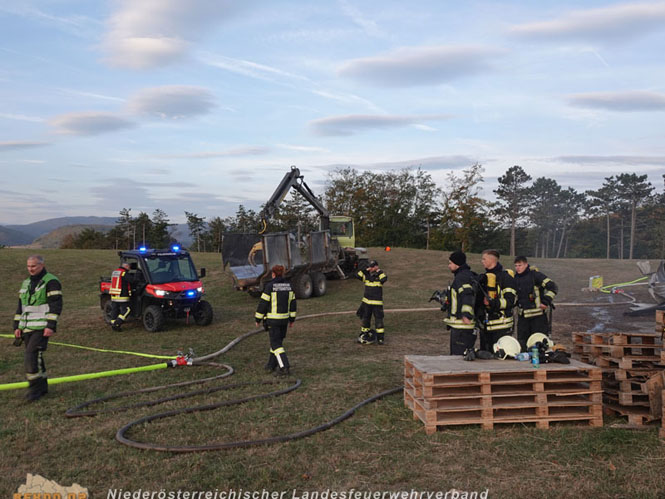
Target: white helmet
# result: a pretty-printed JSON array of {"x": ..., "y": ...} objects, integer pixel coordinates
[
  {"x": 537, "y": 338},
  {"x": 507, "y": 346}
]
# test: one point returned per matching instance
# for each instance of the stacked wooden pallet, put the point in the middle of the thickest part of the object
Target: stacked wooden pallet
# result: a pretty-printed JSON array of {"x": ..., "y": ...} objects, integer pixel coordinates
[
  {"x": 629, "y": 361},
  {"x": 446, "y": 391}
]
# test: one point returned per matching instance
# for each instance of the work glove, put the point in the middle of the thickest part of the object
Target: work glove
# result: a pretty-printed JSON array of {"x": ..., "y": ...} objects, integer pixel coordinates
[
  {"x": 469, "y": 354},
  {"x": 484, "y": 355},
  {"x": 18, "y": 341}
]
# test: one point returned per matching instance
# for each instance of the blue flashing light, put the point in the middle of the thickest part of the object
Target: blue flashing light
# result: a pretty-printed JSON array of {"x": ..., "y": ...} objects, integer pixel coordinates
[
  {"x": 191, "y": 292},
  {"x": 175, "y": 247},
  {"x": 143, "y": 249}
]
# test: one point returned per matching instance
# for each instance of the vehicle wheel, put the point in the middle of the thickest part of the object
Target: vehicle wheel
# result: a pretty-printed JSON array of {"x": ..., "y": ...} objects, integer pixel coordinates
[
  {"x": 319, "y": 284},
  {"x": 203, "y": 313},
  {"x": 153, "y": 318},
  {"x": 107, "y": 306},
  {"x": 302, "y": 286}
]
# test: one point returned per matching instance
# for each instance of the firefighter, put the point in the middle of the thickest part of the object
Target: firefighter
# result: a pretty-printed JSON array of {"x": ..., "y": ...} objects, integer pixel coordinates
[
  {"x": 121, "y": 292},
  {"x": 535, "y": 293},
  {"x": 372, "y": 304},
  {"x": 36, "y": 319},
  {"x": 277, "y": 309},
  {"x": 495, "y": 302},
  {"x": 460, "y": 302}
]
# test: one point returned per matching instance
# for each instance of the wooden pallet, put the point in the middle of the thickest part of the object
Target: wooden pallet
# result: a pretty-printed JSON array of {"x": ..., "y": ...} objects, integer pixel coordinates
[
  {"x": 446, "y": 391},
  {"x": 660, "y": 317},
  {"x": 637, "y": 416}
]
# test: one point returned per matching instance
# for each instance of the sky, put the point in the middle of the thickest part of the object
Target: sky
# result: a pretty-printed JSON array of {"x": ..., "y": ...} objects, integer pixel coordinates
[{"x": 203, "y": 105}]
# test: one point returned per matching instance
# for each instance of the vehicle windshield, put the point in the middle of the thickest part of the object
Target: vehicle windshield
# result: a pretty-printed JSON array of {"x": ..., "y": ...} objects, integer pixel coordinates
[
  {"x": 341, "y": 229},
  {"x": 171, "y": 268}
]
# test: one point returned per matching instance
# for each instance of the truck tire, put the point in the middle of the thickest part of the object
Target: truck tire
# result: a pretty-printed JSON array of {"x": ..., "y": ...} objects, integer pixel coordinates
[
  {"x": 319, "y": 284},
  {"x": 153, "y": 318},
  {"x": 106, "y": 309},
  {"x": 302, "y": 286},
  {"x": 203, "y": 313}
]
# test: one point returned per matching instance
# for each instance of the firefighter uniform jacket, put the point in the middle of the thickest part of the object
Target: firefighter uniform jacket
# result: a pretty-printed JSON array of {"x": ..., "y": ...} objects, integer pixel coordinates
[
  {"x": 39, "y": 303},
  {"x": 461, "y": 297},
  {"x": 500, "y": 287},
  {"x": 277, "y": 305},
  {"x": 533, "y": 289},
  {"x": 120, "y": 285},
  {"x": 373, "y": 282}
]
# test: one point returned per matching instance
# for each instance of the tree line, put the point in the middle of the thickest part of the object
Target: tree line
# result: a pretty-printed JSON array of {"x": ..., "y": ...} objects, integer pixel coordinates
[{"x": 623, "y": 218}]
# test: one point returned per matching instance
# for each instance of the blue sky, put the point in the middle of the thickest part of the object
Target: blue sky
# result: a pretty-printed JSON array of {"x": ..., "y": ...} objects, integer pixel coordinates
[{"x": 202, "y": 105}]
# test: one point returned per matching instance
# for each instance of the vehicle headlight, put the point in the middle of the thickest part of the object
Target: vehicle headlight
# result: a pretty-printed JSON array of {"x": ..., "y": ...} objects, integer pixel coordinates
[
  {"x": 200, "y": 289},
  {"x": 160, "y": 292}
]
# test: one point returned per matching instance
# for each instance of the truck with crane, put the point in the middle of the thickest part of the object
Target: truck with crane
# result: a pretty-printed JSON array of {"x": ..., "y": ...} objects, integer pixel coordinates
[{"x": 327, "y": 253}]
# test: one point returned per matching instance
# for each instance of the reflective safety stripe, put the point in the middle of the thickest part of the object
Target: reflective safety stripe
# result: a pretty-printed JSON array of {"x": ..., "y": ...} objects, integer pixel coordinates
[
  {"x": 52, "y": 317},
  {"x": 550, "y": 294},
  {"x": 54, "y": 293},
  {"x": 372, "y": 302},
  {"x": 364, "y": 329},
  {"x": 373, "y": 284},
  {"x": 33, "y": 376},
  {"x": 458, "y": 323},
  {"x": 125, "y": 315},
  {"x": 532, "y": 312},
  {"x": 119, "y": 299},
  {"x": 259, "y": 316},
  {"x": 509, "y": 290},
  {"x": 265, "y": 296},
  {"x": 468, "y": 309},
  {"x": 278, "y": 316},
  {"x": 278, "y": 353},
  {"x": 501, "y": 323},
  {"x": 380, "y": 331},
  {"x": 36, "y": 309}
]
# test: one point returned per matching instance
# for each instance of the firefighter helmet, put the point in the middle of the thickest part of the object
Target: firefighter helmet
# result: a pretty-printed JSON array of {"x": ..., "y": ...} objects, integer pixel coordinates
[
  {"x": 507, "y": 346},
  {"x": 367, "y": 337},
  {"x": 537, "y": 338}
]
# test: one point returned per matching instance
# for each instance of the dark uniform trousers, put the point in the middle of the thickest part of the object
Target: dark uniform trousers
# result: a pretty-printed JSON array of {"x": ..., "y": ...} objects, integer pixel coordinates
[
  {"x": 277, "y": 356},
  {"x": 33, "y": 362},
  {"x": 526, "y": 326}
]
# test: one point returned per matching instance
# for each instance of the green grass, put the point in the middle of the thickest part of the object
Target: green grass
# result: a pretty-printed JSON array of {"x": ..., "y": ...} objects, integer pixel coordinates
[{"x": 380, "y": 448}]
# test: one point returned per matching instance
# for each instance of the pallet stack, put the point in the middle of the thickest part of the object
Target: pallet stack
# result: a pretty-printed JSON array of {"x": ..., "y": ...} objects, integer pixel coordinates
[
  {"x": 446, "y": 391},
  {"x": 632, "y": 368}
]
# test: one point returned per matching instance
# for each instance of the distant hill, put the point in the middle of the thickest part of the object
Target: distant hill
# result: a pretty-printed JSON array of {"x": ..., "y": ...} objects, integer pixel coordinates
[
  {"x": 54, "y": 238},
  {"x": 13, "y": 237},
  {"x": 42, "y": 227},
  {"x": 45, "y": 233}
]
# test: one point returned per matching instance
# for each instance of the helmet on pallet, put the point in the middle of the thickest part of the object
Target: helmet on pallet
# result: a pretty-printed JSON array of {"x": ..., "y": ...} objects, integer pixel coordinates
[
  {"x": 536, "y": 338},
  {"x": 367, "y": 337},
  {"x": 507, "y": 346}
]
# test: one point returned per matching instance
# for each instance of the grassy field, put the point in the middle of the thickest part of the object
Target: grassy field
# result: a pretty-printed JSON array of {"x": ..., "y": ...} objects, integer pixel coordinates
[{"x": 381, "y": 448}]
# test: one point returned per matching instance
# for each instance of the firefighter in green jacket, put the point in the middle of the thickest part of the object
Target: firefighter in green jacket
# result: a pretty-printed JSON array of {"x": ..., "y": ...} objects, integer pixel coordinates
[
  {"x": 372, "y": 304},
  {"x": 36, "y": 319},
  {"x": 277, "y": 308}
]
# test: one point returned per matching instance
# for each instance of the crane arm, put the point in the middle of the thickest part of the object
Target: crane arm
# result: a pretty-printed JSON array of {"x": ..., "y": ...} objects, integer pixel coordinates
[{"x": 294, "y": 180}]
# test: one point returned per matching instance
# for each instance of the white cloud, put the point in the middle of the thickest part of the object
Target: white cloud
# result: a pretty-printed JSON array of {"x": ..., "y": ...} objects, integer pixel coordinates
[
  {"x": 606, "y": 23},
  {"x": 604, "y": 160},
  {"x": 414, "y": 66},
  {"x": 89, "y": 123},
  {"x": 21, "y": 117},
  {"x": 352, "y": 123},
  {"x": 367, "y": 25},
  {"x": 230, "y": 153},
  {"x": 247, "y": 68},
  {"x": 18, "y": 144},
  {"x": 152, "y": 33},
  {"x": 636, "y": 100},
  {"x": 172, "y": 101}
]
